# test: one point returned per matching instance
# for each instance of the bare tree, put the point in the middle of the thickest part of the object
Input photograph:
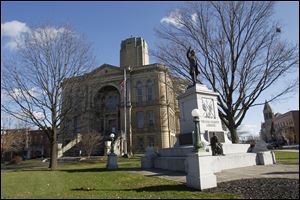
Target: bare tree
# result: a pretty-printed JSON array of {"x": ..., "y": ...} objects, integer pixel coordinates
[
  {"x": 239, "y": 52},
  {"x": 34, "y": 80},
  {"x": 290, "y": 135},
  {"x": 12, "y": 140},
  {"x": 90, "y": 141}
]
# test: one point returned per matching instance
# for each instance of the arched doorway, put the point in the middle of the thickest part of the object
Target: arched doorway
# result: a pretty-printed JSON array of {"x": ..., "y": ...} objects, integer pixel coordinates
[{"x": 107, "y": 110}]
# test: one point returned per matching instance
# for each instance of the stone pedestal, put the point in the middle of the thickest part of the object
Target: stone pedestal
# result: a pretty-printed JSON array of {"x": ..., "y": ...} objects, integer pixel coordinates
[
  {"x": 200, "y": 175},
  {"x": 112, "y": 161},
  {"x": 200, "y": 97},
  {"x": 266, "y": 158},
  {"x": 148, "y": 159}
]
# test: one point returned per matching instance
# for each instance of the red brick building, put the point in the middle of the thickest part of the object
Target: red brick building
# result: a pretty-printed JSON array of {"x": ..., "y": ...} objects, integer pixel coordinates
[
  {"x": 24, "y": 142},
  {"x": 281, "y": 128}
]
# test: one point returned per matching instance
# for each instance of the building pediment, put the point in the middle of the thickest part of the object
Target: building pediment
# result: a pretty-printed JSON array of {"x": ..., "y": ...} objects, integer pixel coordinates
[{"x": 106, "y": 70}]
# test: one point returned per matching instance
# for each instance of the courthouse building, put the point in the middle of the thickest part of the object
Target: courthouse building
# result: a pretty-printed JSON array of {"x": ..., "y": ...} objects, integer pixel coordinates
[{"x": 96, "y": 101}]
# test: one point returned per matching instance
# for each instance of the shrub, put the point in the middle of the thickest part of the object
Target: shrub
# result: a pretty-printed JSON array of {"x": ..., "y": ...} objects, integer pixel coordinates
[{"x": 16, "y": 160}]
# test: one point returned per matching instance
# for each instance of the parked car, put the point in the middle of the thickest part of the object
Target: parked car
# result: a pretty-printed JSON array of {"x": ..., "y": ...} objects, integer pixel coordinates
[{"x": 274, "y": 145}]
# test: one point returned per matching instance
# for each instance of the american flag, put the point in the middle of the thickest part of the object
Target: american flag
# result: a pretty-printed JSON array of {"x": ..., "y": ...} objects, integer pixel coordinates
[{"x": 122, "y": 84}]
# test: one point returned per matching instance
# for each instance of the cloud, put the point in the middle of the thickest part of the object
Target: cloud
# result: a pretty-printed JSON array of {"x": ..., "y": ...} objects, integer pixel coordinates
[
  {"x": 14, "y": 31},
  {"x": 173, "y": 18},
  {"x": 248, "y": 130},
  {"x": 4, "y": 96},
  {"x": 194, "y": 17},
  {"x": 47, "y": 33},
  {"x": 16, "y": 92},
  {"x": 38, "y": 115}
]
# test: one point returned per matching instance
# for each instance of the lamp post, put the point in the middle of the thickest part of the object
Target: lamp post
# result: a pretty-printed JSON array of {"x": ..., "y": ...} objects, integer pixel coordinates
[
  {"x": 112, "y": 161},
  {"x": 112, "y": 137},
  {"x": 197, "y": 134}
]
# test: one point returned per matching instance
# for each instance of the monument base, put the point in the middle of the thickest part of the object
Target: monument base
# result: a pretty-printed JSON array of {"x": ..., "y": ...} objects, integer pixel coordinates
[
  {"x": 199, "y": 173},
  {"x": 175, "y": 159},
  {"x": 266, "y": 158},
  {"x": 112, "y": 161},
  {"x": 148, "y": 159}
]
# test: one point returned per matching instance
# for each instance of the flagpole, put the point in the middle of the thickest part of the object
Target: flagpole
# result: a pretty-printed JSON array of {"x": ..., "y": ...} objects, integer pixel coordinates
[{"x": 125, "y": 113}]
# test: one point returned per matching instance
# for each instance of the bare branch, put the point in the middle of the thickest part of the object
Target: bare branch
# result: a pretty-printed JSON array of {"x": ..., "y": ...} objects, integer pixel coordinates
[
  {"x": 240, "y": 53},
  {"x": 34, "y": 81}
]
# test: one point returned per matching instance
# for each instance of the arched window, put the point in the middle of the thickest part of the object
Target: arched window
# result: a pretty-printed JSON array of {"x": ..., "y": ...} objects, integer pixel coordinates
[
  {"x": 139, "y": 92},
  {"x": 150, "y": 90}
]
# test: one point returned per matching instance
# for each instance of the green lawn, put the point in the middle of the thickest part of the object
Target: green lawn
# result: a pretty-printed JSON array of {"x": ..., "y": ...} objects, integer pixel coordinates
[
  {"x": 287, "y": 157},
  {"x": 73, "y": 180}
]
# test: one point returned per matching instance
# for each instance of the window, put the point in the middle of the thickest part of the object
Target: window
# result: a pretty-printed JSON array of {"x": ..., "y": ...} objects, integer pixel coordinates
[
  {"x": 139, "y": 119},
  {"x": 150, "y": 119},
  {"x": 101, "y": 125},
  {"x": 151, "y": 141},
  {"x": 140, "y": 143},
  {"x": 111, "y": 102},
  {"x": 150, "y": 89},
  {"x": 139, "y": 92},
  {"x": 76, "y": 125}
]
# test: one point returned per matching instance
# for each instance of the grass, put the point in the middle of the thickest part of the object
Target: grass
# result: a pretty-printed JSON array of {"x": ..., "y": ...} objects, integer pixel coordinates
[
  {"x": 90, "y": 179},
  {"x": 287, "y": 157}
]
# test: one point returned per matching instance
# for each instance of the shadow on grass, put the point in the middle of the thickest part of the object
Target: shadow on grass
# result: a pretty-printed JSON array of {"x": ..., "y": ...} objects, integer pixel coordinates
[
  {"x": 286, "y": 163},
  {"x": 99, "y": 170},
  {"x": 156, "y": 188},
  {"x": 160, "y": 172}
]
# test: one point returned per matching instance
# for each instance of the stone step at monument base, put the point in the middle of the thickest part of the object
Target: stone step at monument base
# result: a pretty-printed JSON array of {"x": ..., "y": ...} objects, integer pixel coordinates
[
  {"x": 231, "y": 161},
  {"x": 170, "y": 163},
  {"x": 216, "y": 163},
  {"x": 235, "y": 148},
  {"x": 183, "y": 151}
]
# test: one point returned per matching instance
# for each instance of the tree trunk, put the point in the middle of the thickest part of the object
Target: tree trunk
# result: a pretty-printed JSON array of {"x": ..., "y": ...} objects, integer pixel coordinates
[
  {"x": 53, "y": 156},
  {"x": 234, "y": 136}
]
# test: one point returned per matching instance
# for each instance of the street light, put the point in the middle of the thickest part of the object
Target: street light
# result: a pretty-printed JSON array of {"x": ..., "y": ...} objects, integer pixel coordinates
[
  {"x": 112, "y": 136},
  {"x": 197, "y": 134}
]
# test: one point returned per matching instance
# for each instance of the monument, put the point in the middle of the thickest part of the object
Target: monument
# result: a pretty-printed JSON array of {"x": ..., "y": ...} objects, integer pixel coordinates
[{"x": 200, "y": 125}]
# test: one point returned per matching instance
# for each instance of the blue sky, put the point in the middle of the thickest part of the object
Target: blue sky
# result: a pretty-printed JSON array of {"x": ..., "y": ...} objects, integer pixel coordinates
[{"x": 106, "y": 24}]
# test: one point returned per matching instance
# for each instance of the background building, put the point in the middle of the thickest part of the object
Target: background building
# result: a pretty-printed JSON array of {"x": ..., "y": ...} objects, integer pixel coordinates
[
  {"x": 286, "y": 127},
  {"x": 267, "y": 125},
  {"x": 24, "y": 142},
  {"x": 95, "y": 101},
  {"x": 281, "y": 128}
]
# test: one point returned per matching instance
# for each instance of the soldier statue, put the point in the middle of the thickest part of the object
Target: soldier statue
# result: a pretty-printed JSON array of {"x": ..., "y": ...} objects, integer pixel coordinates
[{"x": 194, "y": 72}]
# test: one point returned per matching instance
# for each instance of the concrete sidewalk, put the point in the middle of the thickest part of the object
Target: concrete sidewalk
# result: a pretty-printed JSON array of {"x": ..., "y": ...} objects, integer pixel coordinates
[{"x": 290, "y": 171}]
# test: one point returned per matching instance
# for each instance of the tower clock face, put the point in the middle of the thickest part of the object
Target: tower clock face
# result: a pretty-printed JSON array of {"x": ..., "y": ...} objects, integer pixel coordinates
[{"x": 208, "y": 108}]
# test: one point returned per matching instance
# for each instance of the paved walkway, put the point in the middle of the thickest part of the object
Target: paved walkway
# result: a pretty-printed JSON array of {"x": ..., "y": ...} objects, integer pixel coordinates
[{"x": 290, "y": 171}]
